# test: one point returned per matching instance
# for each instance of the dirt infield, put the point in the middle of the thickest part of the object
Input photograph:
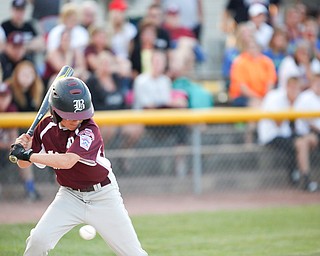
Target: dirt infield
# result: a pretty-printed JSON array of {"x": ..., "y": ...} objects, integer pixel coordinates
[{"x": 23, "y": 212}]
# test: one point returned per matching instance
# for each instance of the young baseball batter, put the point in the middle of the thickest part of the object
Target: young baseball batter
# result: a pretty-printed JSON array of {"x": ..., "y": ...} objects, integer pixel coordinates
[{"x": 70, "y": 142}]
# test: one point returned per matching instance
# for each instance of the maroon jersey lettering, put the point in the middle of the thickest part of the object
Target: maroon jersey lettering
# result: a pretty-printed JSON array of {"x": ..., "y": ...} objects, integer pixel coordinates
[{"x": 86, "y": 142}]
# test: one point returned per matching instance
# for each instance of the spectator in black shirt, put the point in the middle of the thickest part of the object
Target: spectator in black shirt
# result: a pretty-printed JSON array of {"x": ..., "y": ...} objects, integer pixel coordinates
[
  {"x": 45, "y": 14},
  {"x": 143, "y": 48},
  {"x": 16, "y": 23},
  {"x": 108, "y": 93},
  {"x": 155, "y": 16},
  {"x": 105, "y": 85},
  {"x": 14, "y": 52},
  {"x": 150, "y": 35}
]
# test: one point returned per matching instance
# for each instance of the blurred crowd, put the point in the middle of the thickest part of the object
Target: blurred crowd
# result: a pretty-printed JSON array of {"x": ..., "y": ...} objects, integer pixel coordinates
[
  {"x": 272, "y": 62},
  {"x": 142, "y": 64}
]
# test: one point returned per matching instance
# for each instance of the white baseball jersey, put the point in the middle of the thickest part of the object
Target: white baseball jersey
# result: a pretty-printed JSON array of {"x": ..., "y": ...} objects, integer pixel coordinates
[
  {"x": 307, "y": 101},
  {"x": 275, "y": 100}
]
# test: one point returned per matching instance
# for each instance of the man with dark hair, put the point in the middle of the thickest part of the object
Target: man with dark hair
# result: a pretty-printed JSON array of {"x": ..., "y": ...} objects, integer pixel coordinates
[
  {"x": 280, "y": 135},
  {"x": 155, "y": 16},
  {"x": 308, "y": 132},
  {"x": 14, "y": 52},
  {"x": 16, "y": 23}
]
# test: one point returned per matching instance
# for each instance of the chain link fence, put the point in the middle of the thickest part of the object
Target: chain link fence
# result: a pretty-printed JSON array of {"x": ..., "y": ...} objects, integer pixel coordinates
[
  {"x": 179, "y": 159},
  {"x": 212, "y": 157}
]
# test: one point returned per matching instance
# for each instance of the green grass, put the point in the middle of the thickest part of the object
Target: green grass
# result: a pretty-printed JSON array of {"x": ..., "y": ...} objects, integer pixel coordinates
[{"x": 263, "y": 232}]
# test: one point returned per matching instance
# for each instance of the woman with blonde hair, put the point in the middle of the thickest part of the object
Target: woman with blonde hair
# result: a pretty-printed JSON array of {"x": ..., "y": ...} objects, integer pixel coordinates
[
  {"x": 70, "y": 20},
  {"x": 27, "y": 87},
  {"x": 55, "y": 59},
  {"x": 27, "y": 94},
  {"x": 98, "y": 43}
]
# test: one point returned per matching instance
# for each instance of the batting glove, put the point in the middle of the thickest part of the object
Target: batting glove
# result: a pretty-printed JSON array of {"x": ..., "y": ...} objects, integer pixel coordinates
[{"x": 19, "y": 151}]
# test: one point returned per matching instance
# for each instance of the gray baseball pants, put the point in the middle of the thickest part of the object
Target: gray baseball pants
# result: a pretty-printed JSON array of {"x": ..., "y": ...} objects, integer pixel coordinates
[{"x": 102, "y": 209}]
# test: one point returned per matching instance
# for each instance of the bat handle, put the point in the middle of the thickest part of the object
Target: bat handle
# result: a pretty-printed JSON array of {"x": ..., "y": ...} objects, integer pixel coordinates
[
  {"x": 30, "y": 132},
  {"x": 13, "y": 159}
]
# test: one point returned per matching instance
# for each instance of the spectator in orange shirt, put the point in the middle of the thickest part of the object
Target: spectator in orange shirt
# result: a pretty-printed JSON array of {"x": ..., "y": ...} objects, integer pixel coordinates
[{"x": 252, "y": 76}]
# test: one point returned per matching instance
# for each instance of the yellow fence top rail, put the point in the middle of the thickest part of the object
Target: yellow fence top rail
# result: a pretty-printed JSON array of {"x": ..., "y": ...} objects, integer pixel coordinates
[{"x": 168, "y": 116}]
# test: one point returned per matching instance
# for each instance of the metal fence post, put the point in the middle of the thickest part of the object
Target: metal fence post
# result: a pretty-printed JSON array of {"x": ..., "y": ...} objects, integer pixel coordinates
[{"x": 196, "y": 157}]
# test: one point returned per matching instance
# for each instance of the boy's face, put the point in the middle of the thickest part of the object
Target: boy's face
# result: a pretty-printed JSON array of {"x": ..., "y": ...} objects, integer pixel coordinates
[{"x": 71, "y": 125}]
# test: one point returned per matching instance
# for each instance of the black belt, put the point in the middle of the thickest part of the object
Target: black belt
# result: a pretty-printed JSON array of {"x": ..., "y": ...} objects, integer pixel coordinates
[{"x": 94, "y": 187}]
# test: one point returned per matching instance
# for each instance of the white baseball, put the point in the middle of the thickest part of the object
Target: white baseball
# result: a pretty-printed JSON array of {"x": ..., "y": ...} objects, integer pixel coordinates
[{"x": 87, "y": 232}]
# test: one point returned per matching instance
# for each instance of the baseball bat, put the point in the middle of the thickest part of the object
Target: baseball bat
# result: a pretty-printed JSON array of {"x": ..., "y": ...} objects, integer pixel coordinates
[{"x": 65, "y": 71}]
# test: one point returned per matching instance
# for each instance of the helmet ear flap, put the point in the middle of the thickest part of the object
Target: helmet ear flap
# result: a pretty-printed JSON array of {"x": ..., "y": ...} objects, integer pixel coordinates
[
  {"x": 70, "y": 98},
  {"x": 55, "y": 117}
]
